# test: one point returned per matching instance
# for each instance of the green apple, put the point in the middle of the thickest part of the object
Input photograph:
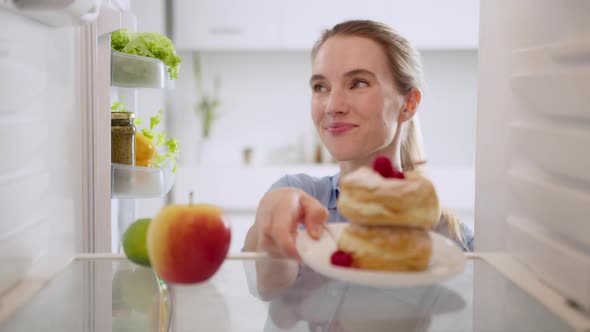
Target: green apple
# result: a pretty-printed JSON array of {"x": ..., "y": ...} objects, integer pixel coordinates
[{"x": 135, "y": 242}]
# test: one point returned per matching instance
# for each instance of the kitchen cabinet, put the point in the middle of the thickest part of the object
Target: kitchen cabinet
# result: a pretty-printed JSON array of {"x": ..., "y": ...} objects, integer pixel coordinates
[
  {"x": 304, "y": 21},
  {"x": 455, "y": 185},
  {"x": 224, "y": 191},
  {"x": 226, "y": 24},
  {"x": 429, "y": 24},
  {"x": 296, "y": 25}
]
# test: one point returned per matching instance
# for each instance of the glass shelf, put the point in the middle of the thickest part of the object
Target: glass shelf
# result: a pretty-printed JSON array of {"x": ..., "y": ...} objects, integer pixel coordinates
[
  {"x": 141, "y": 182},
  {"x": 134, "y": 71},
  {"x": 109, "y": 293},
  {"x": 92, "y": 296}
]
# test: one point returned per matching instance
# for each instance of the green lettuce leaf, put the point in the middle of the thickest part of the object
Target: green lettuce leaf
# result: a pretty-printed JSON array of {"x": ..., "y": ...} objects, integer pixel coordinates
[
  {"x": 119, "y": 39},
  {"x": 149, "y": 44}
]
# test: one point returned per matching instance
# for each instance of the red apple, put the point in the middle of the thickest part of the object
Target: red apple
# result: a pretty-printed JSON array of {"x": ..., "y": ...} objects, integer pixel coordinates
[{"x": 188, "y": 243}]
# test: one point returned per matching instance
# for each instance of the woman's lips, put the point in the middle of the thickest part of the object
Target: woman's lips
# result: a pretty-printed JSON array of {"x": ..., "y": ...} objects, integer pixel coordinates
[{"x": 338, "y": 128}]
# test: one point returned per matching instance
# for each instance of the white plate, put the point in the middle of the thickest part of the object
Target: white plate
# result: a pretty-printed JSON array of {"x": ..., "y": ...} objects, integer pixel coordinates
[{"x": 447, "y": 260}]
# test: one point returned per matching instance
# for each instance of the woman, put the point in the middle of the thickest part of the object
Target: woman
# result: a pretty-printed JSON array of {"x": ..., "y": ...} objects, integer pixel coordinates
[{"x": 365, "y": 92}]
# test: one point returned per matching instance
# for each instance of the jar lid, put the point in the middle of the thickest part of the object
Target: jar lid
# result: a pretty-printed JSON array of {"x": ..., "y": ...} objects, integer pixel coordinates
[{"x": 122, "y": 115}]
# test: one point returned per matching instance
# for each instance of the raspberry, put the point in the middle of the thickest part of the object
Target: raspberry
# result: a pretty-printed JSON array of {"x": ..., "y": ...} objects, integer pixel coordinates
[
  {"x": 398, "y": 174},
  {"x": 341, "y": 258},
  {"x": 383, "y": 166}
]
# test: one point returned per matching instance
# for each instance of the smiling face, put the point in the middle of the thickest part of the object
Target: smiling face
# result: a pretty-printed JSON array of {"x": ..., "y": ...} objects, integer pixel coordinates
[{"x": 355, "y": 104}]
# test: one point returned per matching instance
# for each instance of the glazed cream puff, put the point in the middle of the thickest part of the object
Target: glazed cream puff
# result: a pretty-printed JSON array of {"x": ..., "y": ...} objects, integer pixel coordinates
[
  {"x": 368, "y": 198},
  {"x": 390, "y": 214},
  {"x": 386, "y": 248}
]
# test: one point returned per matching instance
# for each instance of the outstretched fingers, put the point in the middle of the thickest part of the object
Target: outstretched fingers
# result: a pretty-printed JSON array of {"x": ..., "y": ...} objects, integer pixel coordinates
[
  {"x": 314, "y": 216},
  {"x": 279, "y": 217},
  {"x": 284, "y": 228}
]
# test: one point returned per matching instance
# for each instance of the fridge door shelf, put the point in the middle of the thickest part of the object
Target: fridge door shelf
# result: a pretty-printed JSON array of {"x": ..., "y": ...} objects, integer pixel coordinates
[
  {"x": 141, "y": 182},
  {"x": 134, "y": 71},
  {"x": 56, "y": 13}
]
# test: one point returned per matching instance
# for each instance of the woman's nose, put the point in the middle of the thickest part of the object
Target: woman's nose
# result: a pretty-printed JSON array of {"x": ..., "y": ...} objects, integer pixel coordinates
[{"x": 337, "y": 102}]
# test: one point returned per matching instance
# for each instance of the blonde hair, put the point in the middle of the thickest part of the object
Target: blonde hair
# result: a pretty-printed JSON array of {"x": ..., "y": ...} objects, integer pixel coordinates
[{"x": 406, "y": 67}]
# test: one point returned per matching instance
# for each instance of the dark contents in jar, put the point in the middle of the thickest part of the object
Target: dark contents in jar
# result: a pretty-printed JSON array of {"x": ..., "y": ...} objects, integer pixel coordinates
[{"x": 122, "y": 138}]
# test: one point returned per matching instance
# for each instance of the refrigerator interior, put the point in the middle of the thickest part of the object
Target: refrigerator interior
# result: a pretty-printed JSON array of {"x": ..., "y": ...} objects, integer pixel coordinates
[{"x": 532, "y": 187}]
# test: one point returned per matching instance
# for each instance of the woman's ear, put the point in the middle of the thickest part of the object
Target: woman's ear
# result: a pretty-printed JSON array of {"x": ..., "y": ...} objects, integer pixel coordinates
[{"x": 412, "y": 101}]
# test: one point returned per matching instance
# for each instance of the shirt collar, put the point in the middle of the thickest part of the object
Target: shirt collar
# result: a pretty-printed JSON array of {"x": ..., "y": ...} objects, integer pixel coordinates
[{"x": 335, "y": 191}]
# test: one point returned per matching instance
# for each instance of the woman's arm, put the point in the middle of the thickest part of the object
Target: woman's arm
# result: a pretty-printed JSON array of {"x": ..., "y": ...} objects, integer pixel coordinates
[
  {"x": 278, "y": 216},
  {"x": 277, "y": 219}
]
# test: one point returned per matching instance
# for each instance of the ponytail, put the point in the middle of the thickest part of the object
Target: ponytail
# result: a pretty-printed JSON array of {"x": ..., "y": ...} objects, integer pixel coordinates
[
  {"x": 411, "y": 156},
  {"x": 411, "y": 146}
]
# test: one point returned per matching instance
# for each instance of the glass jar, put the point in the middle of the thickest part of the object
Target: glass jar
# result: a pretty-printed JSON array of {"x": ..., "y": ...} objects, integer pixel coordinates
[{"x": 122, "y": 138}]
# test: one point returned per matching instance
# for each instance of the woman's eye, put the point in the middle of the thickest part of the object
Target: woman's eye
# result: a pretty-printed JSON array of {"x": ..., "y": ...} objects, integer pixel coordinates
[
  {"x": 319, "y": 88},
  {"x": 359, "y": 84}
]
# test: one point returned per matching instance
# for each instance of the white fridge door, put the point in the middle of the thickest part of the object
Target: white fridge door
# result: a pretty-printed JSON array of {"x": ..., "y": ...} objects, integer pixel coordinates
[
  {"x": 42, "y": 198},
  {"x": 55, "y": 129},
  {"x": 533, "y": 139}
]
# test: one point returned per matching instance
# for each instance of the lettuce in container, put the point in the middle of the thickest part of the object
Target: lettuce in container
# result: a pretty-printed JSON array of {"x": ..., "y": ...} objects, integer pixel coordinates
[{"x": 148, "y": 44}]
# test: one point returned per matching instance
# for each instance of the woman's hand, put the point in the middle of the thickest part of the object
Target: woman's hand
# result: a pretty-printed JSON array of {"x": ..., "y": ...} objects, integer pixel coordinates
[
  {"x": 279, "y": 213},
  {"x": 277, "y": 218}
]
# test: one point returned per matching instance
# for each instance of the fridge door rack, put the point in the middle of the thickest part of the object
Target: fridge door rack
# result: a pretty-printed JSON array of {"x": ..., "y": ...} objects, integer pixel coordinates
[
  {"x": 56, "y": 13},
  {"x": 141, "y": 182},
  {"x": 134, "y": 71}
]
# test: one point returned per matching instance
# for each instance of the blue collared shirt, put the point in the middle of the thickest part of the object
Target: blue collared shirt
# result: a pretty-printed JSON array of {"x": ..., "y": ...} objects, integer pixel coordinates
[{"x": 326, "y": 191}]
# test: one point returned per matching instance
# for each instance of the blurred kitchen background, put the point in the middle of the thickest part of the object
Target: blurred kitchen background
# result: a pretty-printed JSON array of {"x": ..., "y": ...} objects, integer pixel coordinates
[{"x": 254, "y": 63}]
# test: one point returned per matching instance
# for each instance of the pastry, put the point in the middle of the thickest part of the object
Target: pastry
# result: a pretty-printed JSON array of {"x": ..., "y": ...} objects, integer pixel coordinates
[
  {"x": 368, "y": 198},
  {"x": 390, "y": 214},
  {"x": 388, "y": 248}
]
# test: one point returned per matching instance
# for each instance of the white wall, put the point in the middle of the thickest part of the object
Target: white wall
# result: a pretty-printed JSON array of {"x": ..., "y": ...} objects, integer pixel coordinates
[
  {"x": 264, "y": 104},
  {"x": 448, "y": 111}
]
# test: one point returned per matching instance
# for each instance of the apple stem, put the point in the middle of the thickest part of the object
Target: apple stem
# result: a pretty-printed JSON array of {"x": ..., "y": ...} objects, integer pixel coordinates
[{"x": 190, "y": 198}]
